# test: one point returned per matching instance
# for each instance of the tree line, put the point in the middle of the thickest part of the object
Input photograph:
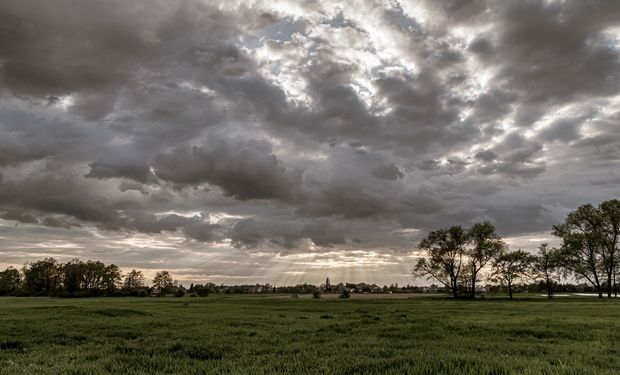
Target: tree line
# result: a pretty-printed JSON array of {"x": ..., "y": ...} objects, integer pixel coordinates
[
  {"x": 456, "y": 256},
  {"x": 76, "y": 278}
]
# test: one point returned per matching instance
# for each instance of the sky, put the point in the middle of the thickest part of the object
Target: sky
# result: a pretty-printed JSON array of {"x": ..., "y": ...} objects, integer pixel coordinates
[{"x": 287, "y": 141}]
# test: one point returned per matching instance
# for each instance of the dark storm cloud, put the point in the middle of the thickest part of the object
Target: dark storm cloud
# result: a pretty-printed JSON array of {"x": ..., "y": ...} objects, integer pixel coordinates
[
  {"x": 271, "y": 128},
  {"x": 243, "y": 169}
]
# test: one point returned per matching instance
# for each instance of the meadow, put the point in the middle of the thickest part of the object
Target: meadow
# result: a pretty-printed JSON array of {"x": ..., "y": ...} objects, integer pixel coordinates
[{"x": 265, "y": 335}]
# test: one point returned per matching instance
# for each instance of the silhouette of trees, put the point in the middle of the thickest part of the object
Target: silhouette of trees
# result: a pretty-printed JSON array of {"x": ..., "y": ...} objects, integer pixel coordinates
[
  {"x": 134, "y": 280},
  {"x": 10, "y": 281},
  {"x": 89, "y": 278},
  {"x": 163, "y": 283},
  {"x": 43, "y": 277}
]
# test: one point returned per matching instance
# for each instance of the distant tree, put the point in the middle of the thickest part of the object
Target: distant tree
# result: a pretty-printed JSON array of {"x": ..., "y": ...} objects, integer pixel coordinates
[
  {"x": 582, "y": 251},
  {"x": 444, "y": 257},
  {"x": 163, "y": 283},
  {"x": 511, "y": 267},
  {"x": 202, "y": 290},
  {"x": 94, "y": 273},
  {"x": 10, "y": 281},
  {"x": 179, "y": 292},
  {"x": 483, "y": 246},
  {"x": 73, "y": 276},
  {"x": 345, "y": 294},
  {"x": 316, "y": 294},
  {"x": 545, "y": 266},
  {"x": 111, "y": 279},
  {"x": 134, "y": 280},
  {"x": 43, "y": 277},
  {"x": 609, "y": 229},
  {"x": 328, "y": 285}
]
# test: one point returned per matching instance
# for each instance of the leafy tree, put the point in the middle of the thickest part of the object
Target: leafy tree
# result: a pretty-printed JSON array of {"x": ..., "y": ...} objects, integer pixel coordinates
[
  {"x": 134, "y": 280},
  {"x": 73, "y": 276},
  {"x": 111, "y": 279},
  {"x": 180, "y": 292},
  {"x": 10, "y": 281},
  {"x": 583, "y": 246},
  {"x": 511, "y": 267},
  {"x": 444, "y": 257},
  {"x": 545, "y": 266},
  {"x": 484, "y": 245},
  {"x": 94, "y": 272},
  {"x": 163, "y": 283},
  {"x": 43, "y": 277},
  {"x": 609, "y": 216}
]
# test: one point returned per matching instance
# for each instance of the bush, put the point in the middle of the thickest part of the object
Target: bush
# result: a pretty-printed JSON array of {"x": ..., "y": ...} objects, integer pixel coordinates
[
  {"x": 180, "y": 292},
  {"x": 316, "y": 294},
  {"x": 202, "y": 291},
  {"x": 142, "y": 293},
  {"x": 345, "y": 294},
  {"x": 193, "y": 294}
]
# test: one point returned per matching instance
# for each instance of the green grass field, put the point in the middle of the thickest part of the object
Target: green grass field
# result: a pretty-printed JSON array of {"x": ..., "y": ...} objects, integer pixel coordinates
[{"x": 257, "y": 335}]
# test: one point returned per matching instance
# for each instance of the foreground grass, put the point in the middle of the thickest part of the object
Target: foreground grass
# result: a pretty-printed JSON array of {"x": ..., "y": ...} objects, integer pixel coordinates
[{"x": 254, "y": 335}]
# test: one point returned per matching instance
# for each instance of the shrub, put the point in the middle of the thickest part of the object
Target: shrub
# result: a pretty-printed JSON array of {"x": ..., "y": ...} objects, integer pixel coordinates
[
  {"x": 345, "y": 294},
  {"x": 180, "y": 292},
  {"x": 316, "y": 294},
  {"x": 202, "y": 291}
]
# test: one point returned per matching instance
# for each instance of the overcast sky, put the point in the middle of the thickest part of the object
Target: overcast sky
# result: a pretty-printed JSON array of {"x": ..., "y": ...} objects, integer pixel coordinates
[{"x": 288, "y": 141}]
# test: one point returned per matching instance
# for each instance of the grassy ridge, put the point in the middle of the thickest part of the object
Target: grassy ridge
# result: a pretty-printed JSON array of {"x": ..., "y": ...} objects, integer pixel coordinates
[{"x": 282, "y": 335}]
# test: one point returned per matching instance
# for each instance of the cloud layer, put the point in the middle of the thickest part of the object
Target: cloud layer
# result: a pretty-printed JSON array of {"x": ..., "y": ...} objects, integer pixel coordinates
[{"x": 333, "y": 132}]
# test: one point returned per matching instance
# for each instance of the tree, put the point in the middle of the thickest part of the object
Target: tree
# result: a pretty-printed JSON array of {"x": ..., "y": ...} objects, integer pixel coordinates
[
  {"x": 545, "y": 266},
  {"x": 444, "y": 257},
  {"x": 163, "y": 283},
  {"x": 73, "y": 276},
  {"x": 583, "y": 246},
  {"x": 43, "y": 277},
  {"x": 484, "y": 245},
  {"x": 94, "y": 272},
  {"x": 510, "y": 267},
  {"x": 134, "y": 280},
  {"x": 10, "y": 281},
  {"x": 609, "y": 212},
  {"x": 110, "y": 279}
]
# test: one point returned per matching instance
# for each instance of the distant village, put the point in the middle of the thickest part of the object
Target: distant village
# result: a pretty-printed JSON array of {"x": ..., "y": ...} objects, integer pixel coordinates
[
  {"x": 326, "y": 287},
  {"x": 365, "y": 288}
]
